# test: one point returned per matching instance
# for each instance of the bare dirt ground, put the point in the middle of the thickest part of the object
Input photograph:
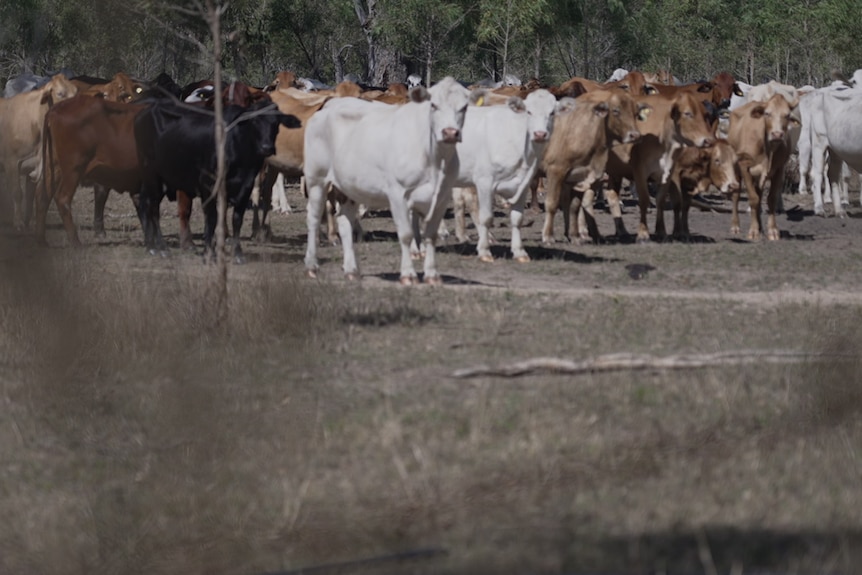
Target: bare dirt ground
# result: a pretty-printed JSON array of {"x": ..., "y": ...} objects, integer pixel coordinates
[{"x": 324, "y": 424}]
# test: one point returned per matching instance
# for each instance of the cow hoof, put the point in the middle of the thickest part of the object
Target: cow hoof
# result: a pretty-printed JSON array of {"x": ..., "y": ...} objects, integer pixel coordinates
[
  {"x": 773, "y": 235},
  {"x": 522, "y": 259},
  {"x": 351, "y": 277},
  {"x": 311, "y": 274},
  {"x": 408, "y": 280},
  {"x": 434, "y": 280},
  {"x": 643, "y": 240},
  {"x": 734, "y": 231},
  {"x": 487, "y": 259}
]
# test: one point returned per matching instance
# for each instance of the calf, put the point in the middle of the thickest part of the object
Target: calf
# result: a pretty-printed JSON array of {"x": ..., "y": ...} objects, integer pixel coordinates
[
  {"x": 176, "y": 148},
  {"x": 376, "y": 154},
  {"x": 759, "y": 133}
]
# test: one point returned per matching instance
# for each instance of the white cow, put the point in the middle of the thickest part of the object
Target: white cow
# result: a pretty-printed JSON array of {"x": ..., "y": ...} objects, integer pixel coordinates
[
  {"x": 501, "y": 149},
  {"x": 836, "y": 135},
  {"x": 377, "y": 154}
]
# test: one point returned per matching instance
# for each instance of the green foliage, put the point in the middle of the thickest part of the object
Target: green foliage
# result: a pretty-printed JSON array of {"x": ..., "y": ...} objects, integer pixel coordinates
[{"x": 795, "y": 41}]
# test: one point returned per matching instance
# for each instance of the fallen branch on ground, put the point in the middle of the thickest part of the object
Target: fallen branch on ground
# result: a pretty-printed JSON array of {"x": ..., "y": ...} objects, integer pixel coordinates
[{"x": 634, "y": 362}]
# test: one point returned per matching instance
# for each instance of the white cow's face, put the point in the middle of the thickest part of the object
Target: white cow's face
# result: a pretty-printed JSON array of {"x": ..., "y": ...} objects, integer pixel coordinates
[
  {"x": 541, "y": 107},
  {"x": 449, "y": 101}
]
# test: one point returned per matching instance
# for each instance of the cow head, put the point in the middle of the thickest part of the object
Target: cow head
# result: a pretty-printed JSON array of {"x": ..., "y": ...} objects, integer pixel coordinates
[
  {"x": 621, "y": 115},
  {"x": 778, "y": 115},
  {"x": 690, "y": 121},
  {"x": 265, "y": 120},
  {"x": 540, "y": 108},
  {"x": 723, "y": 87},
  {"x": 448, "y": 103},
  {"x": 723, "y": 169},
  {"x": 58, "y": 88}
]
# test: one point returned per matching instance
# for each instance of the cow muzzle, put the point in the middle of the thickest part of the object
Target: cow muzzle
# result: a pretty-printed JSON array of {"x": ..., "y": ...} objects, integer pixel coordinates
[
  {"x": 776, "y": 135},
  {"x": 631, "y": 137},
  {"x": 540, "y": 136},
  {"x": 451, "y": 135}
]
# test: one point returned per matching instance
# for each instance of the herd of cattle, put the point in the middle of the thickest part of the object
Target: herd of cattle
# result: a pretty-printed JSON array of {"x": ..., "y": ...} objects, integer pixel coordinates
[{"x": 413, "y": 150}]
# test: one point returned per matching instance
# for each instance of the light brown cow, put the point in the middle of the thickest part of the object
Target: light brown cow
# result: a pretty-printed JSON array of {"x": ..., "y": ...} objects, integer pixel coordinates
[
  {"x": 695, "y": 170},
  {"x": 21, "y": 121},
  {"x": 673, "y": 123},
  {"x": 760, "y": 134},
  {"x": 578, "y": 149},
  {"x": 120, "y": 88},
  {"x": 632, "y": 83}
]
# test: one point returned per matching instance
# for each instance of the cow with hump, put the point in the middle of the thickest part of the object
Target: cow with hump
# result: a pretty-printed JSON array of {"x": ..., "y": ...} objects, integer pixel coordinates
[
  {"x": 403, "y": 157},
  {"x": 500, "y": 152},
  {"x": 176, "y": 150}
]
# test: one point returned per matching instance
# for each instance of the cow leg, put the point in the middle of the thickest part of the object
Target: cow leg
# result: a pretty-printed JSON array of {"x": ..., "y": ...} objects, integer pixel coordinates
[
  {"x": 184, "y": 212},
  {"x": 149, "y": 201},
  {"x": 734, "y": 211},
  {"x": 773, "y": 201},
  {"x": 345, "y": 217},
  {"x": 685, "y": 207},
  {"x": 516, "y": 217},
  {"x": 554, "y": 189},
  {"x": 536, "y": 187},
  {"x": 612, "y": 195},
  {"x": 834, "y": 173},
  {"x": 401, "y": 217},
  {"x": 816, "y": 174},
  {"x": 432, "y": 224},
  {"x": 236, "y": 228},
  {"x": 754, "y": 196},
  {"x": 660, "y": 204},
  {"x": 459, "y": 203},
  {"x": 63, "y": 200},
  {"x": 586, "y": 227},
  {"x": 316, "y": 195},
  {"x": 643, "y": 206},
  {"x": 485, "y": 193},
  {"x": 100, "y": 196},
  {"x": 260, "y": 229}
]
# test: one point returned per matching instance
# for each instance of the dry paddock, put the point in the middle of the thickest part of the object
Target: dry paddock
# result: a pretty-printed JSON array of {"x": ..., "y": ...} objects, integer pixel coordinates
[{"x": 324, "y": 423}]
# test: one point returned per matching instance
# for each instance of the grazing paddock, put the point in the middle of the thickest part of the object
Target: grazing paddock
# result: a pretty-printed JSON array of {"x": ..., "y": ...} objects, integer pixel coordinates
[{"x": 323, "y": 423}]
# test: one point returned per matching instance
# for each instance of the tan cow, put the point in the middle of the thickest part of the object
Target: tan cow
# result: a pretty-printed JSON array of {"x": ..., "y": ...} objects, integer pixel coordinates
[
  {"x": 578, "y": 149},
  {"x": 760, "y": 134},
  {"x": 120, "y": 88},
  {"x": 673, "y": 124},
  {"x": 21, "y": 121},
  {"x": 695, "y": 171}
]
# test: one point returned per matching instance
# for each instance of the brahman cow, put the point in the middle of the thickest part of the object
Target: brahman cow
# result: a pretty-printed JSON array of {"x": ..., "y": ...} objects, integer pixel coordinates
[{"x": 376, "y": 154}]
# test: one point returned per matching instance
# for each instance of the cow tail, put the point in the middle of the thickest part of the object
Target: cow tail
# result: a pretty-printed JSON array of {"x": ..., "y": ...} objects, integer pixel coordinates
[{"x": 47, "y": 175}]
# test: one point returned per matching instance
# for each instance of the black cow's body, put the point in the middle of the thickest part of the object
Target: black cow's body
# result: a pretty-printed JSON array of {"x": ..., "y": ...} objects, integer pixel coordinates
[{"x": 176, "y": 146}]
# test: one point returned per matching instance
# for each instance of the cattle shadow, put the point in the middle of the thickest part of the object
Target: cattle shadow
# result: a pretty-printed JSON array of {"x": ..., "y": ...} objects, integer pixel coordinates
[
  {"x": 273, "y": 258},
  {"x": 536, "y": 253},
  {"x": 447, "y": 279},
  {"x": 797, "y": 214}
]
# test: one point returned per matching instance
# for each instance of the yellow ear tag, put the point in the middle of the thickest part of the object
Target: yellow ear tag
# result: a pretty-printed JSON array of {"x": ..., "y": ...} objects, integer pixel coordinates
[{"x": 480, "y": 101}]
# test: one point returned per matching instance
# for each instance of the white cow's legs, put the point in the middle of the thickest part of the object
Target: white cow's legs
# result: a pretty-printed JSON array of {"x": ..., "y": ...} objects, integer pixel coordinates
[{"x": 316, "y": 203}]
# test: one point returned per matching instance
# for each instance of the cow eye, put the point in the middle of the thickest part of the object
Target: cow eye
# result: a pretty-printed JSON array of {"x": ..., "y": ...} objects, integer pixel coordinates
[{"x": 689, "y": 115}]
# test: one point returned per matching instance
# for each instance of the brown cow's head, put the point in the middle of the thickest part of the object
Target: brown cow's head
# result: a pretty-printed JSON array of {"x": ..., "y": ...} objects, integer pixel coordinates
[
  {"x": 777, "y": 114},
  {"x": 621, "y": 113},
  {"x": 689, "y": 118},
  {"x": 723, "y": 171},
  {"x": 57, "y": 89}
]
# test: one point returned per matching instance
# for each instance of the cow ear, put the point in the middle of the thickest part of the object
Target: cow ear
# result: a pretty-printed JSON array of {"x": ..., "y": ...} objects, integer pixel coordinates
[
  {"x": 601, "y": 109},
  {"x": 737, "y": 90},
  {"x": 289, "y": 121},
  {"x": 705, "y": 87},
  {"x": 649, "y": 89},
  {"x": 644, "y": 110},
  {"x": 674, "y": 112},
  {"x": 565, "y": 105},
  {"x": 477, "y": 97},
  {"x": 516, "y": 104},
  {"x": 757, "y": 111},
  {"x": 419, "y": 94}
]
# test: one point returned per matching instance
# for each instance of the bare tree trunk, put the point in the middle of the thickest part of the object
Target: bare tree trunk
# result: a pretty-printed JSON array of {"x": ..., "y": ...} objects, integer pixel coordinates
[{"x": 214, "y": 17}]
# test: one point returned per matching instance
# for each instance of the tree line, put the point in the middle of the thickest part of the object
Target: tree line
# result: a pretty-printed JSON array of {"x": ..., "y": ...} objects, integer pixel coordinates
[{"x": 379, "y": 41}]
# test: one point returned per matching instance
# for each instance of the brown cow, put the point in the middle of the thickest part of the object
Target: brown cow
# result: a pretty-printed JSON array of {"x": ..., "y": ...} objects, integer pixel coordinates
[
  {"x": 695, "y": 170},
  {"x": 632, "y": 83},
  {"x": 88, "y": 139},
  {"x": 120, "y": 88},
  {"x": 578, "y": 148},
  {"x": 759, "y": 132},
  {"x": 21, "y": 120},
  {"x": 673, "y": 123}
]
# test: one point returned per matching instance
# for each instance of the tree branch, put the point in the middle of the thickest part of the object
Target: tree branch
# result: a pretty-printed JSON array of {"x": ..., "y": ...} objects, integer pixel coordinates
[{"x": 637, "y": 362}]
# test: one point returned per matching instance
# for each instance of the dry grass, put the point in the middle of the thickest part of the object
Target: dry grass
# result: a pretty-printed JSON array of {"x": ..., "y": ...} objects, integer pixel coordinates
[{"x": 322, "y": 424}]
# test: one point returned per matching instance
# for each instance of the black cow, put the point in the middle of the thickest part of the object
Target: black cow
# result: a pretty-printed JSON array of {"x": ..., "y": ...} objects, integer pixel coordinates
[{"x": 176, "y": 147}]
